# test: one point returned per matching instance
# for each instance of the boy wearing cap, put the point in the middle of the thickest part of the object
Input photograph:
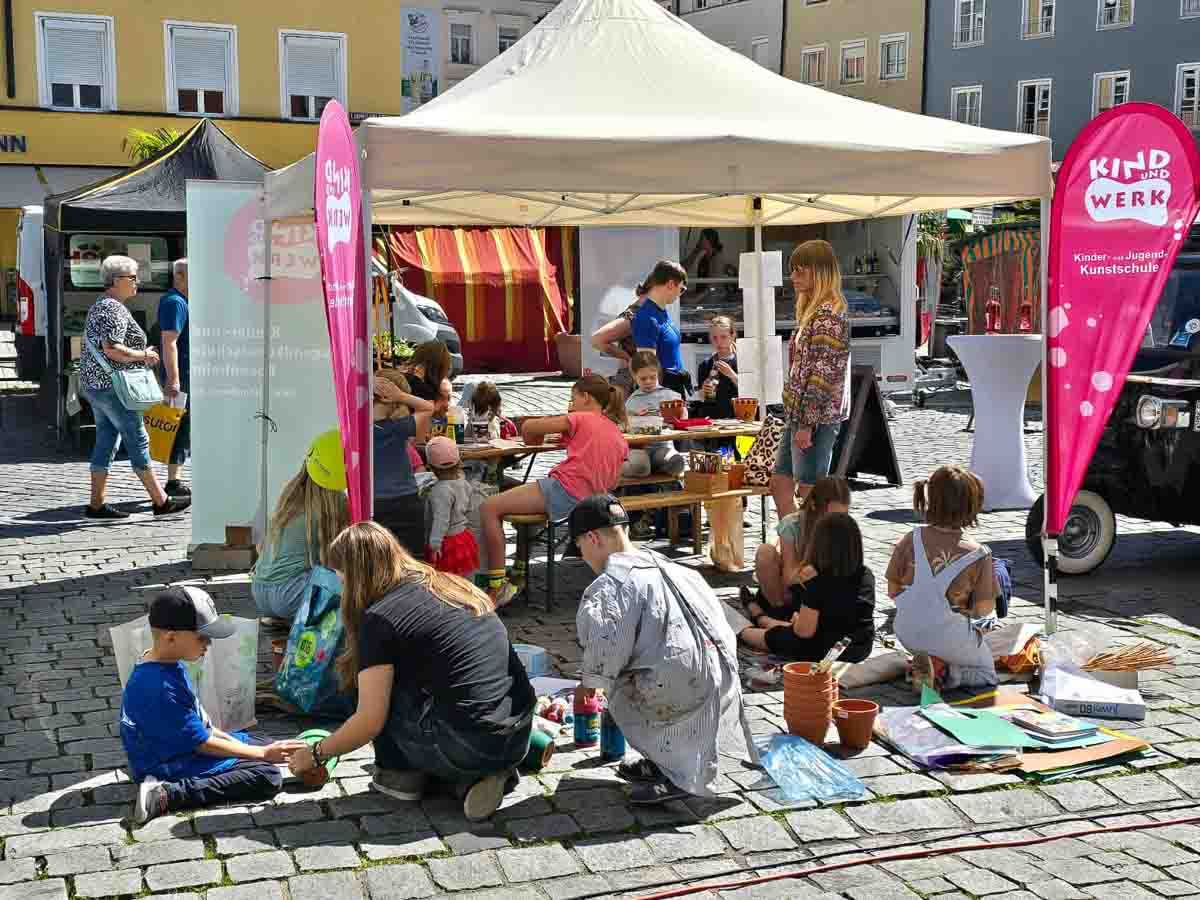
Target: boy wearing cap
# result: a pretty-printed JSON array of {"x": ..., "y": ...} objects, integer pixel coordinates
[
  {"x": 656, "y": 640},
  {"x": 181, "y": 760}
]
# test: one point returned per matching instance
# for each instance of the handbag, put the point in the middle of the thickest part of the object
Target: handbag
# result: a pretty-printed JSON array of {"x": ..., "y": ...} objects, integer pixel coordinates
[
  {"x": 137, "y": 389},
  {"x": 307, "y": 679},
  {"x": 760, "y": 460}
]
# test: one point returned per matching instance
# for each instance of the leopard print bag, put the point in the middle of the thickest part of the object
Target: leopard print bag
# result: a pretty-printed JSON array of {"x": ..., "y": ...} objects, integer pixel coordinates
[{"x": 760, "y": 461}]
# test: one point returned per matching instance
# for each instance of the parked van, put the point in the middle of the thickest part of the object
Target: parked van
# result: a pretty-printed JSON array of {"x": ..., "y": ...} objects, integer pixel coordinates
[
  {"x": 417, "y": 319},
  {"x": 31, "y": 296}
]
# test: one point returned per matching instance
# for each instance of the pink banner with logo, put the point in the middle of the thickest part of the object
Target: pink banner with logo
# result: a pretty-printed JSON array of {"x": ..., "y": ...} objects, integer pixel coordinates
[
  {"x": 1124, "y": 200},
  {"x": 338, "y": 205}
]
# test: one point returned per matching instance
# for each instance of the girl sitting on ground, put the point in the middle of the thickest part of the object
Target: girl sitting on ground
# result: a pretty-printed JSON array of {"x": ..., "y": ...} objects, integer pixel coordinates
[
  {"x": 312, "y": 510},
  {"x": 595, "y": 447},
  {"x": 778, "y": 567},
  {"x": 452, "y": 547},
  {"x": 646, "y": 400},
  {"x": 837, "y": 602}
]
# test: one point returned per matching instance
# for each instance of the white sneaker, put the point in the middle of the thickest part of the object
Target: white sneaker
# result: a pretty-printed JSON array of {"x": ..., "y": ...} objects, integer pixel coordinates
[
  {"x": 484, "y": 797},
  {"x": 151, "y": 801}
]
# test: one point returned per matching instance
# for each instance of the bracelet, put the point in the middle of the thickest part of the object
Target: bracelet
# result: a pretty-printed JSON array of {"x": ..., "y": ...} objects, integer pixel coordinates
[{"x": 318, "y": 757}]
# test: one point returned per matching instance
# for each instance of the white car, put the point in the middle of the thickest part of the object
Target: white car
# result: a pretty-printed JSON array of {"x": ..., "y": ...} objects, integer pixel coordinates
[{"x": 417, "y": 319}]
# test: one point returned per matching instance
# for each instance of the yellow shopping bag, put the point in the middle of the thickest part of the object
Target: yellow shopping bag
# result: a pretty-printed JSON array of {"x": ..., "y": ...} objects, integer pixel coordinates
[{"x": 162, "y": 424}]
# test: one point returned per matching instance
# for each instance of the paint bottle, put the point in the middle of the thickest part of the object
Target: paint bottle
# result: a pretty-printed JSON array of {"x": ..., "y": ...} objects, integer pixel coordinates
[
  {"x": 612, "y": 741},
  {"x": 587, "y": 720}
]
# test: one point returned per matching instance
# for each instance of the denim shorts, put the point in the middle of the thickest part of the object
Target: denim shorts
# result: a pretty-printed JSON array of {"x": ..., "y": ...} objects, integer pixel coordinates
[
  {"x": 559, "y": 504},
  {"x": 114, "y": 421},
  {"x": 806, "y": 466}
]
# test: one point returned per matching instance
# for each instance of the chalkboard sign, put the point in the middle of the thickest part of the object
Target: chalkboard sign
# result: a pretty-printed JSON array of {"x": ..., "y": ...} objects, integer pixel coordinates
[{"x": 865, "y": 444}]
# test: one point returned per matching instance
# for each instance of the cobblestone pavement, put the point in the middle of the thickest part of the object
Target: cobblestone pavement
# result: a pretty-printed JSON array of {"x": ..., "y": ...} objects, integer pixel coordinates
[{"x": 566, "y": 833}]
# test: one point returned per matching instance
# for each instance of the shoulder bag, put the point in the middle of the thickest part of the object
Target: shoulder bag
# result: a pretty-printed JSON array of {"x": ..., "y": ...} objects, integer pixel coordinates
[{"x": 137, "y": 389}]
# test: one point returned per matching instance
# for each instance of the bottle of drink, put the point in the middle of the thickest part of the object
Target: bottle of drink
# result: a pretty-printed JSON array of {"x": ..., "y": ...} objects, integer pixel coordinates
[
  {"x": 587, "y": 720},
  {"x": 1025, "y": 317},
  {"x": 612, "y": 741},
  {"x": 992, "y": 312}
]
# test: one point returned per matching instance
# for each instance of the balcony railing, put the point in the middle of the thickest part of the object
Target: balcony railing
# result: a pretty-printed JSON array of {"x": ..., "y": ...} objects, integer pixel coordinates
[
  {"x": 1040, "y": 127},
  {"x": 1191, "y": 117},
  {"x": 1114, "y": 15},
  {"x": 972, "y": 35},
  {"x": 1190, "y": 8},
  {"x": 1040, "y": 26}
]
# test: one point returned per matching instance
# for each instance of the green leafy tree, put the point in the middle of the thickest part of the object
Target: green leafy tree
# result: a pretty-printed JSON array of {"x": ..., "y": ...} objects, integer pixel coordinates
[{"x": 141, "y": 144}]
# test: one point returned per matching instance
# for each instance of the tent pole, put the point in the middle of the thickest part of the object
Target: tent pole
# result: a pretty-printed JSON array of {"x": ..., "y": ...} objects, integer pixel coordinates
[
  {"x": 1049, "y": 541},
  {"x": 760, "y": 300},
  {"x": 265, "y": 401},
  {"x": 368, "y": 272}
]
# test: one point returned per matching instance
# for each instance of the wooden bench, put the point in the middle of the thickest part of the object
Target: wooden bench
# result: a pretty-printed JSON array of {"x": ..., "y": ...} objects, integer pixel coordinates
[{"x": 673, "y": 502}]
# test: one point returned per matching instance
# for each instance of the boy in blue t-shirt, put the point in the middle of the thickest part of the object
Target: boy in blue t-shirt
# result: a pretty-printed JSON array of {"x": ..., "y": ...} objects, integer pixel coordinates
[{"x": 181, "y": 760}]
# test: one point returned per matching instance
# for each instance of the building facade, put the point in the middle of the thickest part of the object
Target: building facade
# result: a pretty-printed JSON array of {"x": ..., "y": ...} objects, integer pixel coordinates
[
  {"x": 753, "y": 28},
  {"x": 1048, "y": 66},
  {"x": 867, "y": 49},
  {"x": 85, "y": 72}
]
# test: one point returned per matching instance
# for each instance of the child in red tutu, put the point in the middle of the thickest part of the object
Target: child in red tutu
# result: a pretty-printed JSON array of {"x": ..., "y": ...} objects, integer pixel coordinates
[{"x": 452, "y": 547}]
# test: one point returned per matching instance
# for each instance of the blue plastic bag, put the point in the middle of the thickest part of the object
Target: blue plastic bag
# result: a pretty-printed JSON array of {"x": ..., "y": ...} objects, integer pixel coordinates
[
  {"x": 307, "y": 679},
  {"x": 806, "y": 772}
]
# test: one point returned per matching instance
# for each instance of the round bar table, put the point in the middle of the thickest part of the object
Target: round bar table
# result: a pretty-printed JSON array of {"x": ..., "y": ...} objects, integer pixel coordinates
[{"x": 1000, "y": 367}]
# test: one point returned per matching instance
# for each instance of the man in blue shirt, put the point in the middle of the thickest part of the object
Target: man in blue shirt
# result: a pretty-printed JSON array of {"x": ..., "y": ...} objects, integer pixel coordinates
[
  {"x": 181, "y": 760},
  {"x": 176, "y": 353}
]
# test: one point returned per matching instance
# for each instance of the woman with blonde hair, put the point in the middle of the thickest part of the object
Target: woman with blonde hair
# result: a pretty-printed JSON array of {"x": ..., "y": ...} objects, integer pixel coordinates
[
  {"x": 441, "y": 692},
  {"x": 311, "y": 512},
  {"x": 816, "y": 393}
]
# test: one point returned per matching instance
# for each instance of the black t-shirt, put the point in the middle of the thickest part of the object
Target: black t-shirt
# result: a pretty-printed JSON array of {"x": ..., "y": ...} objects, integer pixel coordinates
[
  {"x": 847, "y": 609},
  {"x": 721, "y": 406},
  {"x": 419, "y": 387},
  {"x": 465, "y": 662}
]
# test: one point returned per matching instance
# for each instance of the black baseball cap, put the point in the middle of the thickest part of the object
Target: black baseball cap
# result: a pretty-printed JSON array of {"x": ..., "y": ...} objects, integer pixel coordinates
[
  {"x": 186, "y": 608},
  {"x": 597, "y": 511}
]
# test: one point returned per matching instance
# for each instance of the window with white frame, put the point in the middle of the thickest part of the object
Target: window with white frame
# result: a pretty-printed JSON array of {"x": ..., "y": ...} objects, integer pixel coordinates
[
  {"x": 1037, "y": 18},
  {"x": 1189, "y": 9},
  {"x": 854, "y": 62},
  {"x": 1109, "y": 89},
  {"x": 893, "y": 56},
  {"x": 201, "y": 69},
  {"x": 506, "y": 36},
  {"x": 969, "y": 18},
  {"x": 1114, "y": 13},
  {"x": 760, "y": 50},
  {"x": 76, "y": 61},
  {"x": 966, "y": 104},
  {"x": 462, "y": 38},
  {"x": 314, "y": 72},
  {"x": 812, "y": 65},
  {"x": 1187, "y": 94},
  {"x": 1033, "y": 107}
]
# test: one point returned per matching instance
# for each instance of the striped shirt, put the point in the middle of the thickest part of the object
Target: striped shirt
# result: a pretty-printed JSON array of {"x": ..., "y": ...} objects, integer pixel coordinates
[{"x": 668, "y": 662}]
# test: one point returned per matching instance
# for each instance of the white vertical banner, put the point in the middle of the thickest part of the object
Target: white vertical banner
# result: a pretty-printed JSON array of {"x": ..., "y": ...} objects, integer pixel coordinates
[
  {"x": 750, "y": 381},
  {"x": 420, "y": 55},
  {"x": 758, "y": 318}
]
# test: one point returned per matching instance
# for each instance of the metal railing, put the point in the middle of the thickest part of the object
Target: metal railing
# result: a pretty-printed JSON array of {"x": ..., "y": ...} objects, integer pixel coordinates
[
  {"x": 972, "y": 35},
  {"x": 1191, "y": 117},
  {"x": 1190, "y": 8},
  {"x": 1039, "y": 127},
  {"x": 1040, "y": 25},
  {"x": 1118, "y": 14}
]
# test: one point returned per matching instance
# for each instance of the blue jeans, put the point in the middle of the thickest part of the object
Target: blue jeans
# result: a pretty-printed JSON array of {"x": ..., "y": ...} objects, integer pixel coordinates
[
  {"x": 247, "y": 781},
  {"x": 113, "y": 420},
  {"x": 806, "y": 466},
  {"x": 282, "y": 599}
]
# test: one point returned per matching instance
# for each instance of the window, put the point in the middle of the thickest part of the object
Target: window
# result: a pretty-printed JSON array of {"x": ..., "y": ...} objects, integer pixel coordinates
[
  {"x": 968, "y": 22},
  {"x": 1037, "y": 18},
  {"x": 1114, "y": 14},
  {"x": 893, "y": 56},
  {"x": 1033, "y": 107},
  {"x": 314, "y": 72},
  {"x": 701, "y": 4},
  {"x": 461, "y": 35},
  {"x": 966, "y": 103},
  {"x": 85, "y": 252},
  {"x": 1109, "y": 89},
  {"x": 1187, "y": 94},
  {"x": 76, "y": 62},
  {"x": 760, "y": 49},
  {"x": 1189, "y": 9},
  {"x": 507, "y": 36},
  {"x": 854, "y": 62},
  {"x": 812, "y": 65},
  {"x": 201, "y": 69}
]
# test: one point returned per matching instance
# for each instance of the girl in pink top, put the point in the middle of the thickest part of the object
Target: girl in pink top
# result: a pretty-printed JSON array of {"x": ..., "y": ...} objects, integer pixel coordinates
[{"x": 595, "y": 447}]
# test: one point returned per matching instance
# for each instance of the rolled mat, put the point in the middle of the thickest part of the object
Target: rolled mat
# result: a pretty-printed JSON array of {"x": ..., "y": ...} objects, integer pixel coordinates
[{"x": 541, "y": 751}]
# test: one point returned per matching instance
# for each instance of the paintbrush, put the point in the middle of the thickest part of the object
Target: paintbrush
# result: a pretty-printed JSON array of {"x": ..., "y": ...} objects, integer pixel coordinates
[{"x": 834, "y": 652}]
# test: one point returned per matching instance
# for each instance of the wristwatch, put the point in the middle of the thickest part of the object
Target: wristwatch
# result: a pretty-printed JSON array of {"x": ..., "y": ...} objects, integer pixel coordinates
[{"x": 318, "y": 757}]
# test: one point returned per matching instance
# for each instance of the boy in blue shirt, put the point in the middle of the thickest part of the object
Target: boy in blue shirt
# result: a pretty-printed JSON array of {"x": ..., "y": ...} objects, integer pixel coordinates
[{"x": 181, "y": 760}]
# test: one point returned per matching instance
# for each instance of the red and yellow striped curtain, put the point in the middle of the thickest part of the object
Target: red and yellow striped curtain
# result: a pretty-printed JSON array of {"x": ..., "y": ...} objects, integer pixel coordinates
[
  {"x": 508, "y": 291},
  {"x": 1009, "y": 259}
]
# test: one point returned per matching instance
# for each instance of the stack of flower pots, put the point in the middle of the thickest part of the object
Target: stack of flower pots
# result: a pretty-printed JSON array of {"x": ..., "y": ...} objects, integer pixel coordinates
[{"x": 808, "y": 698}]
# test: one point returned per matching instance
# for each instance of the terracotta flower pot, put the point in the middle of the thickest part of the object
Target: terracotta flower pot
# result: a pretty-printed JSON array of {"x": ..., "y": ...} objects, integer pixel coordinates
[
  {"x": 745, "y": 408},
  {"x": 855, "y": 720},
  {"x": 737, "y": 476},
  {"x": 672, "y": 409},
  {"x": 812, "y": 730}
]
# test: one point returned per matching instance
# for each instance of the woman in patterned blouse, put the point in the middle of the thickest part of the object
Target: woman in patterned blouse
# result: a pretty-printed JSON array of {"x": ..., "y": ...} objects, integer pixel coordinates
[
  {"x": 816, "y": 394},
  {"x": 112, "y": 332}
]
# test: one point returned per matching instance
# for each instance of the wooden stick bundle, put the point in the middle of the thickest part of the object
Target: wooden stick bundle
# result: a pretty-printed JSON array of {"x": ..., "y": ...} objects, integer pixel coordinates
[{"x": 1129, "y": 659}]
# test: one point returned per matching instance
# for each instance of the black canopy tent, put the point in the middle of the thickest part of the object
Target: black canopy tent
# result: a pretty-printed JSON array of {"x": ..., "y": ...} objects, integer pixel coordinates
[{"x": 148, "y": 199}]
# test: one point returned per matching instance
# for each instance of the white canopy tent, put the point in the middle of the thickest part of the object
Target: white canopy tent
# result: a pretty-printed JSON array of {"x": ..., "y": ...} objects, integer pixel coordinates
[{"x": 618, "y": 113}]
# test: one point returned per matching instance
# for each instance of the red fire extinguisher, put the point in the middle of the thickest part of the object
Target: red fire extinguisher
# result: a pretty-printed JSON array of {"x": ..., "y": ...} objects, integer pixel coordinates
[{"x": 992, "y": 312}]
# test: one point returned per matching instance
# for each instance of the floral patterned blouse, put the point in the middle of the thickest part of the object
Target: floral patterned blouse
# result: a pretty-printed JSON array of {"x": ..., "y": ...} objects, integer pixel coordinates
[{"x": 108, "y": 320}]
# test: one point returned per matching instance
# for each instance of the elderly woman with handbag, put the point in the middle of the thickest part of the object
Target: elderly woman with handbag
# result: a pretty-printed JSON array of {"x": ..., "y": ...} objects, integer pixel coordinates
[{"x": 116, "y": 375}]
